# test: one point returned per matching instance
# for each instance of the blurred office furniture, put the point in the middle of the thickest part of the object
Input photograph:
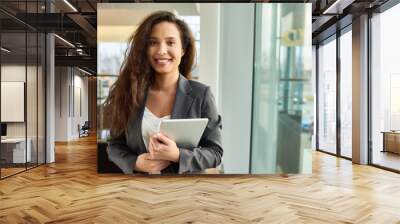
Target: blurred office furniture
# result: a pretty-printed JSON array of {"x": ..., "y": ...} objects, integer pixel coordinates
[
  {"x": 391, "y": 141},
  {"x": 13, "y": 151},
  {"x": 84, "y": 130},
  {"x": 3, "y": 130}
]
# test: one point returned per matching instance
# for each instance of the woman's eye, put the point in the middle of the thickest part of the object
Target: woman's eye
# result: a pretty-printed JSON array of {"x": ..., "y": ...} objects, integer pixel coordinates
[
  {"x": 152, "y": 43},
  {"x": 170, "y": 43}
]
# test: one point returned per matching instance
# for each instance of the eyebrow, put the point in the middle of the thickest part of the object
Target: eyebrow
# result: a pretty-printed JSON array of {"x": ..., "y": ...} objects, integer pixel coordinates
[{"x": 168, "y": 38}]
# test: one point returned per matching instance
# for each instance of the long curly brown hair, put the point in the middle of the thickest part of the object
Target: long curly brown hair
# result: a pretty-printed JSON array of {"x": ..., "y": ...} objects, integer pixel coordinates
[{"x": 127, "y": 94}]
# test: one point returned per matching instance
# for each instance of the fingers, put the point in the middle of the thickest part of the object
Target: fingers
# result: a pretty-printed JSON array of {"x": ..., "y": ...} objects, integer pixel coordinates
[
  {"x": 155, "y": 140},
  {"x": 146, "y": 164},
  {"x": 167, "y": 136},
  {"x": 162, "y": 148},
  {"x": 155, "y": 147},
  {"x": 164, "y": 164},
  {"x": 145, "y": 155},
  {"x": 159, "y": 165},
  {"x": 151, "y": 148},
  {"x": 163, "y": 138},
  {"x": 157, "y": 144}
]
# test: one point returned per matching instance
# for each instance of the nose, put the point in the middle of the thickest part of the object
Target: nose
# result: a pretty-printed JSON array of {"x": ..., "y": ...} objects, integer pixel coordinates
[{"x": 162, "y": 49}]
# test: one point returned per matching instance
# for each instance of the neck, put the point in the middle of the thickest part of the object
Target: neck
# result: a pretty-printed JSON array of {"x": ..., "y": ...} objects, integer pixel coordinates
[{"x": 166, "y": 82}]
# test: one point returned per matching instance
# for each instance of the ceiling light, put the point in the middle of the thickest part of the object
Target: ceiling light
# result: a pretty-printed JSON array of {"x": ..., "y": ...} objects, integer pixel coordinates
[
  {"x": 5, "y": 50},
  {"x": 84, "y": 71},
  {"x": 80, "y": 51},
  {"x": 65, "y": 41},
  {"x": 337, "y": 7},
  {"x": 70, "y": 5}
]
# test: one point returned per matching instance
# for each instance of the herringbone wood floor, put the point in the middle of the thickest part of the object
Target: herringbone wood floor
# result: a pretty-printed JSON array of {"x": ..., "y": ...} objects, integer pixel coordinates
[{"x": 70, "y": 191}]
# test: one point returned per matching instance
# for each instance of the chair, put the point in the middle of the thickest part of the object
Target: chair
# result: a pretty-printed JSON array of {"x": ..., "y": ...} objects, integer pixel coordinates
[{"x": 84, "y": 130}]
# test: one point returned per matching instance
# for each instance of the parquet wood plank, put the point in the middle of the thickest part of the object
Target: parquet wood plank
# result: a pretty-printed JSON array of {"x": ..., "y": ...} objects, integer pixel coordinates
[{"x": 70, "y": 191}]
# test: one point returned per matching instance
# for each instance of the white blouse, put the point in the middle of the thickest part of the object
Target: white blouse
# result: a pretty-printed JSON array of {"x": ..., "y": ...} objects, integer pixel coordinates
[{"x": 150, "y": 125}]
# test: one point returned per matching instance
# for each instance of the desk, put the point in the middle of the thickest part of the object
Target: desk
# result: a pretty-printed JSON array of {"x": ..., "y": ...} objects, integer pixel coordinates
[
  {"x": 391, "y": 141},
  {"x": 13, "y": 150}
]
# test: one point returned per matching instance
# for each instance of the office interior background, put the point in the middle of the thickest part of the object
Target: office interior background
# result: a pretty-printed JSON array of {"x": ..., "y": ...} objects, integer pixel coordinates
[
  {"x": 49, "y": 83},
  {"x": 49, "y": 86}
]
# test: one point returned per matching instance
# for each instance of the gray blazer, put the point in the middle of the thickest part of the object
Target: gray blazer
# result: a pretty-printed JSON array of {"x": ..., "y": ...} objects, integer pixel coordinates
[{"x": 192, "y": 100}]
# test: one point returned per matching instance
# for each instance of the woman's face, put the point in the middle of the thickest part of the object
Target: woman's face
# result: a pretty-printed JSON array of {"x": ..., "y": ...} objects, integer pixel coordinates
[{"x": 165, "y": 48}]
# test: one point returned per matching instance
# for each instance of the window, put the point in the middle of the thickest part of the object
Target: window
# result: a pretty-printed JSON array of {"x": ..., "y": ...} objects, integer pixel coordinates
[
  {"x": 327, "y": 96},
  {"x": 346, "y": 94},
  {"x": 385, "y": 89}
]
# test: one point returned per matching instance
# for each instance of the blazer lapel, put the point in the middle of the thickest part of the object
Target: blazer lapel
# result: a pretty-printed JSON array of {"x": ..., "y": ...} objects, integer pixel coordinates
[{"x": 183, "y": 99}]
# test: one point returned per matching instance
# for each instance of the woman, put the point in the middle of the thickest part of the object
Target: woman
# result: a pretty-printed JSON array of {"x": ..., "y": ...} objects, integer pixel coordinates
[{"x": 154, "y": 84}]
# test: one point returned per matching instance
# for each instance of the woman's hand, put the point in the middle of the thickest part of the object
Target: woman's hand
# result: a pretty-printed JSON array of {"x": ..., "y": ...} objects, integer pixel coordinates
[
  {"x": 163, "y": 148},
  {"x": 145, "y": 164}
]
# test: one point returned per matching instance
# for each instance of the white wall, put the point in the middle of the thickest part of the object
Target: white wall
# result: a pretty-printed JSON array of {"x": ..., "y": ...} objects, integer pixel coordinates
[
  {"x": 237, "y": 31},
  {"x": 12, "y": 101},
  {"x": 61, "y": 103},
  {"x": 14, "y": 73},
  {"x": 33, "y": 127},
  {"x": 80, "y": 85},
  {"x": 360, "y": 90},
  {"x": 314, "y": 87},
  {"x": 209, "y": 47},
  {"x": 70, "y": 83},
  {"x": 17, "y": 73}
]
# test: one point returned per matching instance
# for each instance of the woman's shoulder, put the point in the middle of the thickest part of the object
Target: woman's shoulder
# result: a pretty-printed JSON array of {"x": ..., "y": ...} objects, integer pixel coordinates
[{"x": 198, "y": 88}]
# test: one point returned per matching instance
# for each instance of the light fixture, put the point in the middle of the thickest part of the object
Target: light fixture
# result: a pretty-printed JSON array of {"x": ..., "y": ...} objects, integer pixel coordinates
[
  {"x": 80, "y": 51},
  {"x": 70, "y": 5},
  {"x": 337, "y": 7},
  {"x": 5, "y": 50},
  {"x": 64, "y": 40},
  {"x": 84, "y": 71}
]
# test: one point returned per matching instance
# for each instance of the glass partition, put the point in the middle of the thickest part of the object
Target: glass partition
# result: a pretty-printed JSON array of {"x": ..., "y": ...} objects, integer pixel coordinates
[
  {"x": 283, "y": 101},
  {"x": 327, "y": 96},
  {"x": 22, "y": 90},
  {"x": 346, "y": 94},
  {"x": 111, "y": 53},
  {"x": 13, "y": 95},
  {"x": 104, "y": 83},
  {"x": 41, "y": 96},
  {"x": 31, "y": 98},
  {"x": 385, "y": 89}
]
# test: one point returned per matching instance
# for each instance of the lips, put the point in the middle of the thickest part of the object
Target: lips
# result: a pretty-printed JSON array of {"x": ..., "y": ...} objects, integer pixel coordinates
[{"x": 162, "y": 61}]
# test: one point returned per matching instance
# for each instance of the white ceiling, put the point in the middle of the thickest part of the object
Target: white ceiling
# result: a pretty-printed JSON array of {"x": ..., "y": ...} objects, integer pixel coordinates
[
  {"x": 117, "y": 21},
  {"x": 118, "y": 14}
]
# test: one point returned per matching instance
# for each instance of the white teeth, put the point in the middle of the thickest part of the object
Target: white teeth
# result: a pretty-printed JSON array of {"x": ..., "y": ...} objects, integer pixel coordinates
[{"x": 162, "y": 61}]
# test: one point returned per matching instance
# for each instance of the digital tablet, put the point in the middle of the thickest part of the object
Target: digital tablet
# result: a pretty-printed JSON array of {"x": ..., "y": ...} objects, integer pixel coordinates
[{"x": 185, "y": 132}]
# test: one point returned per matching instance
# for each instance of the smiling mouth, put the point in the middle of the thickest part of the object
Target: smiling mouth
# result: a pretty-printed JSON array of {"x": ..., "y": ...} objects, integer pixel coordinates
[{"x": 162, "y": 61}]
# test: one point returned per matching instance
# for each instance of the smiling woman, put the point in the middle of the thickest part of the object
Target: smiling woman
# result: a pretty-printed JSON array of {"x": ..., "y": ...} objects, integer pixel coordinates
[
  {"x": 165, "y": 48},
  {"x": 154, "y": 84}
]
